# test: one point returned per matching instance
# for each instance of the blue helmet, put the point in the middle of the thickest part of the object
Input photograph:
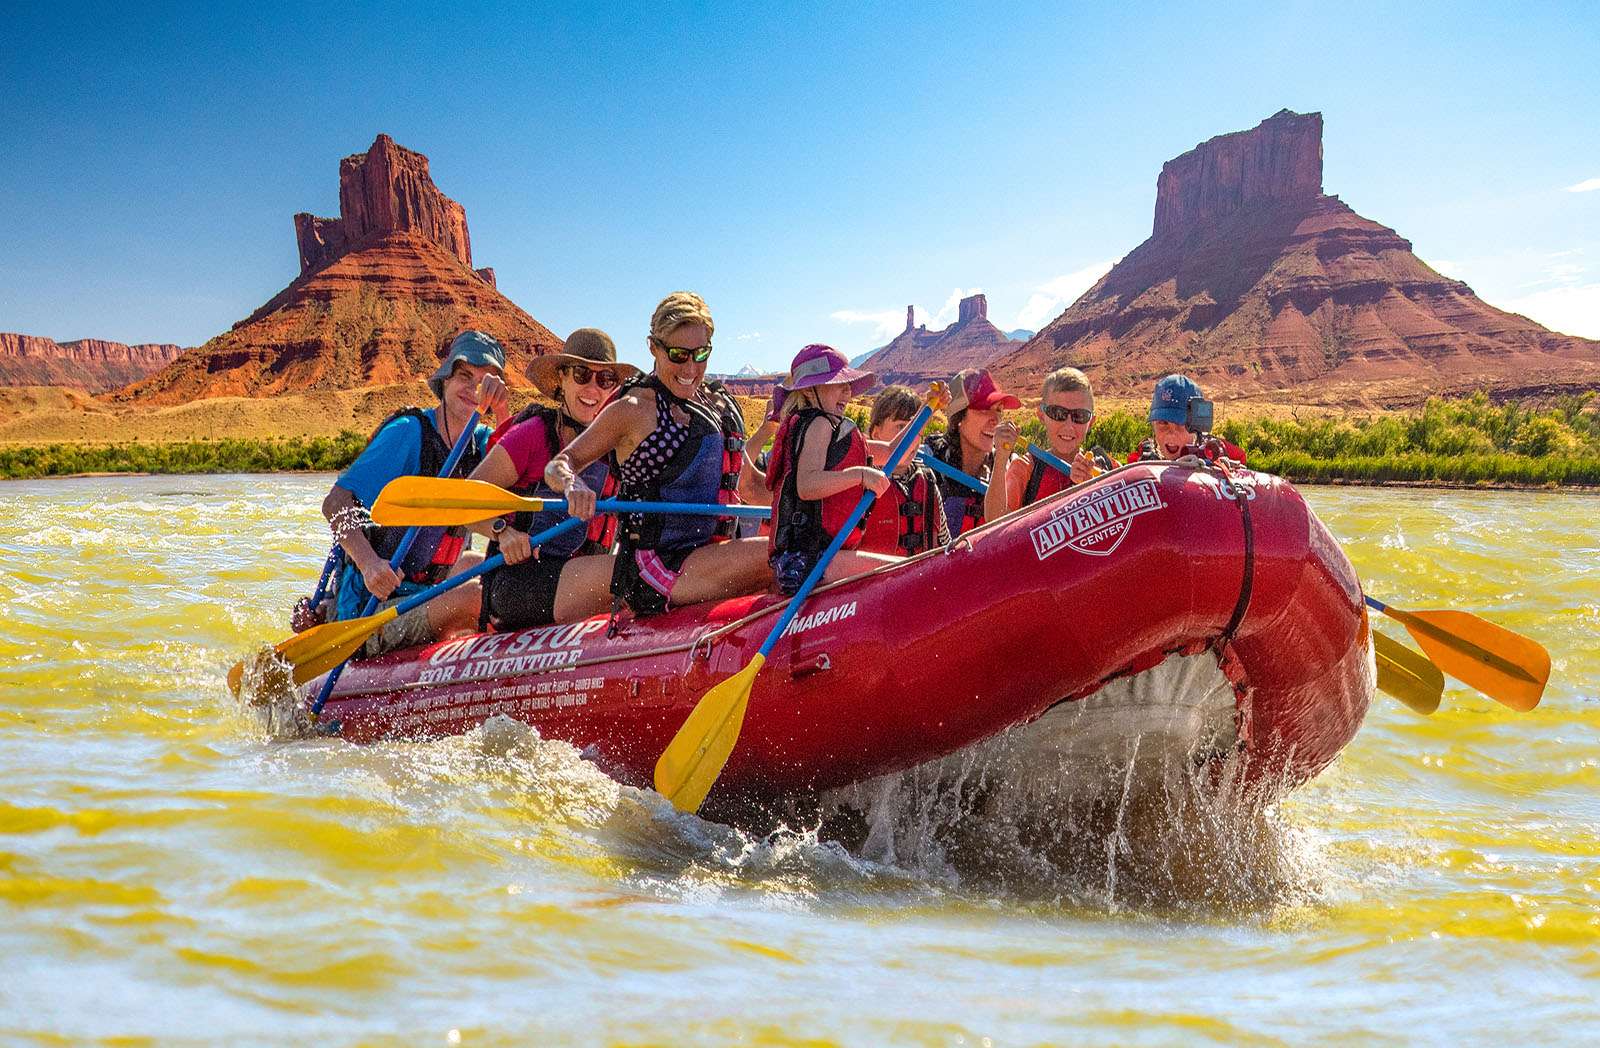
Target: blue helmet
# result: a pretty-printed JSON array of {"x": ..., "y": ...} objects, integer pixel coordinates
[{"x": 1170, "y": 402}]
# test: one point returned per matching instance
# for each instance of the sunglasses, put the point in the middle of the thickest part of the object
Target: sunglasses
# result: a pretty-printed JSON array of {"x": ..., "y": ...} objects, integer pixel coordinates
[
  {"x": 679, "y": 355},
  {"x": 1057, "y": 413},
  {"x": 600, "y": 377}
]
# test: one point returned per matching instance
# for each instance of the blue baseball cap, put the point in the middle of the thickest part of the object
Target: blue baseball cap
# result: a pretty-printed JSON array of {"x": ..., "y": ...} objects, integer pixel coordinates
[
  {"x": 469, "y": 347},
  {"x": 1170, "y": 402}
]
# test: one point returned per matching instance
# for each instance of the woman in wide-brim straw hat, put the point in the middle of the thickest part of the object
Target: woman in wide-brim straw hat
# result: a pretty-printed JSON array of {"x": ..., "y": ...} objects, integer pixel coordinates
[
  {"x": 676, "y": 438},
  {"x": 565, "y": 579}
]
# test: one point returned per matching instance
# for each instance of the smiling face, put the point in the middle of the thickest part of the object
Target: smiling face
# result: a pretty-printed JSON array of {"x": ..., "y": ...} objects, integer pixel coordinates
[
  {"x": 1066, "y": 438},
  {"x": 832, "y": 397},
  {"x": 1170, "y": 438},
  {"x": 583, "y": 402},
  {"x": 889, "y": 431},
  {"x": 977, "y": 428},
  {"x": 683, "y": 379},
  {"x": 461, "y": 388}
]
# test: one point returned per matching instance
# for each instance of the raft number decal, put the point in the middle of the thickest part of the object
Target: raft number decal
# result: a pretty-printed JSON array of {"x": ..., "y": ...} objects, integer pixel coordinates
[{"x": 1096, "y": 523}]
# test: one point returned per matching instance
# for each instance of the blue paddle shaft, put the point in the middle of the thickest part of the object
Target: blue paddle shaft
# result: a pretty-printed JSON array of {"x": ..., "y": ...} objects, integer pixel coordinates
[
  {"x": 867, "y": 498},
  {"x": 1378, "y": 604},
  {"x": 1050, "y": 460},
  {"x": 939, "y": 465}
]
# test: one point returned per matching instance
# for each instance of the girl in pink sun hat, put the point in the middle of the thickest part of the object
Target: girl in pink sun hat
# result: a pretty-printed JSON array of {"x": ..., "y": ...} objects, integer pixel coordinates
[{"x": 818, "y": 469}]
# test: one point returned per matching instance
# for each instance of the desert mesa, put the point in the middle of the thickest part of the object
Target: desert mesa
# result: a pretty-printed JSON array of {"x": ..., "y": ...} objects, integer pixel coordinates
[{"x": 1254, "y": 281}]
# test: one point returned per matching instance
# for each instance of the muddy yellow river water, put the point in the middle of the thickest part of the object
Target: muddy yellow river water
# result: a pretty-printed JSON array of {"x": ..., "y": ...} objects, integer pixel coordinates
[{"x": 168, "y": 873}]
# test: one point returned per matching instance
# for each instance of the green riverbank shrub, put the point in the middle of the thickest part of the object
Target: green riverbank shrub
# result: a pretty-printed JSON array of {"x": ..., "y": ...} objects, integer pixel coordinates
[{"x": 195, "y": 456}]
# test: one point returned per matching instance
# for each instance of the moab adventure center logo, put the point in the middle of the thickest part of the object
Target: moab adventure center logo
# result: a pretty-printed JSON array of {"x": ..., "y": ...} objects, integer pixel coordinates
[{"x": 1096, "y": 523}]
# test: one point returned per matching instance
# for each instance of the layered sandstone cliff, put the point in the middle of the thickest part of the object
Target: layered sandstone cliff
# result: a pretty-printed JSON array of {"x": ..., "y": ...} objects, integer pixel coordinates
[
  {"x": 918, "y": 355},
  {"x": 89, "y": 364},
  {"x": 382, "y": 289},
  {"x": 1256, "y": 282}
]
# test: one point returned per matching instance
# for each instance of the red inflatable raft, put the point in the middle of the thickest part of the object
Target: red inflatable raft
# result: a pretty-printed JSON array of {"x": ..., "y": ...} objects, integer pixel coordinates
[{"x": 921, "y": 659}]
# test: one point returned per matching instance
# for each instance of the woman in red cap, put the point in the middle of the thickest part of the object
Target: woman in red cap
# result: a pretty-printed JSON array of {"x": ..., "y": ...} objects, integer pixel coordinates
[
  {"x": 818, "y": 470},
  {"x": 967, "y": 443}
]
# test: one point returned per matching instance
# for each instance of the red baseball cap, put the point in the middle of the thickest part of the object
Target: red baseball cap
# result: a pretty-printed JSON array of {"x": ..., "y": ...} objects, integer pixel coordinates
[{"x": 975, "y": 388}]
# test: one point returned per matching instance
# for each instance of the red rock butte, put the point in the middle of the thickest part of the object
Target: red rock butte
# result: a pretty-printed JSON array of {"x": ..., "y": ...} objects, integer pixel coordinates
[
  {"x": 89, "y": 364},
  {"x": 381, "y": 290},
  {"x": 1256, "y": 283},
  {"x": 918, "y": 355}
]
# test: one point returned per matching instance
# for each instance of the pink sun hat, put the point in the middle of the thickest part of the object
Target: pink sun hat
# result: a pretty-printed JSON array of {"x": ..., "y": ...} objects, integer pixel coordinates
[{"x": 819, "y": 365}]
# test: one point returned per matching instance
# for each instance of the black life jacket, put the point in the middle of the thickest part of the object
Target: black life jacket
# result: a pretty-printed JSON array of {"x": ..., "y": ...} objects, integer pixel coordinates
[
  {"x": 435, "y": 550},
  {"x": 704, "y": 469},
  {"x": 597, "y": 475},
  {"x": 808, "y": 525},
  {"x": 963, "y": 507}
]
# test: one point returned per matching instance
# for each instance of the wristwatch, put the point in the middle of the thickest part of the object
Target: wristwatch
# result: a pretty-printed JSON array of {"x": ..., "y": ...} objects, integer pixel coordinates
[{"x": 500, "y": 524}]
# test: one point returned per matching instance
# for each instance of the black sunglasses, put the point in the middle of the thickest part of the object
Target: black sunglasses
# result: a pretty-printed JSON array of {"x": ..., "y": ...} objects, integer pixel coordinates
[
  {"x": 1057, "y": 413},
  {"x": 599, "y": 376},
  {"x": 679, "y": 355}
]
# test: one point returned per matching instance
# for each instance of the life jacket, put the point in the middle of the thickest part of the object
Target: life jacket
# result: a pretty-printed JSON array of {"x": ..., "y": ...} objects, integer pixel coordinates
[
  {"x": 808, "y": 525},
  {"x": 908, "y": 518},
  {"x": 704, "y": 469},
  {"x": 963, "y": 507},
  {"x": 1043, "y": 481},
  {"x": 597, "y": 475},
  {"x": 435, "y": 550}
]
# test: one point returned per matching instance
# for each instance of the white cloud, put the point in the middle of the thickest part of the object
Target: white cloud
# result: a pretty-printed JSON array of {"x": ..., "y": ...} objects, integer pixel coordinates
[
  {"x": 1573, "y": 310},
  {"x": 949, "y": 311},
  {"x": 887, "y": 323},
  {"x": 748, "y": 336},
  {"x": 1049, "y": 300},
  {"x": 1588, "y": 185}
]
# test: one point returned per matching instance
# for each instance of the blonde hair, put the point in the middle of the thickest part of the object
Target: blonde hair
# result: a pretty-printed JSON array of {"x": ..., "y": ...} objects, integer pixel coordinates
[
  {"x": 1066, "y": 380},
  {"x": 893, "y": 405},
  {"x": 796, "y": 399},
  {"x": 678, "y": 309}
]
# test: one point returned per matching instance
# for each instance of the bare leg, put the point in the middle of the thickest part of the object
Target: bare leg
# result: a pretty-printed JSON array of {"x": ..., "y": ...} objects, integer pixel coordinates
[
  {"x": 457, "y": 611},
  {"x": 722, "y": 570},
  {"x": 585, "y": 588},
  {"x": 848, "y": 562}
]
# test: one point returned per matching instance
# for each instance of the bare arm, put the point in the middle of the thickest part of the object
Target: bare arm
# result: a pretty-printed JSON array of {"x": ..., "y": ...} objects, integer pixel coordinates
[
  {"x": 617, "y": 428},
  {"x": 346, "y": 516},
  {"x": 813, "y": 480}
]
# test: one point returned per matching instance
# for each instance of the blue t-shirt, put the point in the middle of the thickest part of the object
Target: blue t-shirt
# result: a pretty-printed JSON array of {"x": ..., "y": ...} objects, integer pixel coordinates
[{"x": 396, "y": 451}]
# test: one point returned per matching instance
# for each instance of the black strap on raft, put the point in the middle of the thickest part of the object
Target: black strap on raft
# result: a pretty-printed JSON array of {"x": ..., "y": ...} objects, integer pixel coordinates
[{"x": 1242, "y": 605}]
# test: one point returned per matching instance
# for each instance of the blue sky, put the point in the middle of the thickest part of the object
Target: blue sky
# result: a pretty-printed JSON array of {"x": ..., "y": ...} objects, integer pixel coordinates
[{"x": 810, "y": 169}]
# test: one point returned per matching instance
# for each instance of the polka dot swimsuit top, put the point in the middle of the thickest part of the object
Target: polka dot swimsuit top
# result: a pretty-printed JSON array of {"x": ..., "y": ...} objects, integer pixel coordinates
[{"x": 656, "y": 449}]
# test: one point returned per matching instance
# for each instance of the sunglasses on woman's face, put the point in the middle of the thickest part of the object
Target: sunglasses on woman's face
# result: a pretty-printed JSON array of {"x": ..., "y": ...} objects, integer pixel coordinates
[
  {"x": 583, "y": 376},
  {"x": 1057, "y": 413},
  {"x": 679, "y": 355}
]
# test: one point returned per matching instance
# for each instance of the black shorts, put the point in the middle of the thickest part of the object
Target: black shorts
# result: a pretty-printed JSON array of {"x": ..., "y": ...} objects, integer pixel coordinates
[
  {"x": 519, "y": 596},
  {"x": 643, "y": 578}
]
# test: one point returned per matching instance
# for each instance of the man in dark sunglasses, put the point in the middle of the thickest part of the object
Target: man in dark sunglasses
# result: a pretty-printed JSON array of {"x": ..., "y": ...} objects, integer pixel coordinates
[{"x": 1066, "y": 407}]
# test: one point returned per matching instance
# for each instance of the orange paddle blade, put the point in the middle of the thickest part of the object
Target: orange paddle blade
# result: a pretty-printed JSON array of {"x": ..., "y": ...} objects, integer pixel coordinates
[
  {"x": 319, "y": 649},
  {"x": 1407, "y": 675},
  {"x": 689, "y": 766},
  {"x": 1506, "y": 666},
  {"x": 445, "y": 502}
]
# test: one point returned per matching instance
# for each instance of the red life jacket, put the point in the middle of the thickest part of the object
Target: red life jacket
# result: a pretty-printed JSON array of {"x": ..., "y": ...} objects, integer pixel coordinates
[
  {"x": 808, "y": 525},
  {"x": 908, "y": 518},
  {"x": 1043, "y": 481}
]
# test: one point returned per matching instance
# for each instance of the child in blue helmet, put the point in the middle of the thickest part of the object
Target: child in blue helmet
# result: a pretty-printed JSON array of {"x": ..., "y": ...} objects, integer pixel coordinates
[{"x": 1169, "y": 423}]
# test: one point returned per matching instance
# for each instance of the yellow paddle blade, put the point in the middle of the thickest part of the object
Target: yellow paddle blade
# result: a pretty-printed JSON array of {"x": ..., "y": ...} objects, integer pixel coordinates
[
  {"x": 1508, "y": 667},
  {"x": 444, "y": 502},
  {"x": 1407, "y": 675},
  {"x": 690, "y": 764},
  {"x": 320, "y": 648}
]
